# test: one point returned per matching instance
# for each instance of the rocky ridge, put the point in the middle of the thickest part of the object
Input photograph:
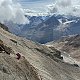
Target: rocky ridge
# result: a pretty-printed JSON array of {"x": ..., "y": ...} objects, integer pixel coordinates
[{"x": 37, "y": 62}]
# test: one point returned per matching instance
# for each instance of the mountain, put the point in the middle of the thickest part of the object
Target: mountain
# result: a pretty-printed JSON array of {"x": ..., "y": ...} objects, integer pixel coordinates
[
  {"x": 19, "y": 29},
  {"x": 22, "y": 59},
  {"x": 44, "y": 29},
  {"x": 70, "y": 45},
  {"x": 52, "y": 28}
]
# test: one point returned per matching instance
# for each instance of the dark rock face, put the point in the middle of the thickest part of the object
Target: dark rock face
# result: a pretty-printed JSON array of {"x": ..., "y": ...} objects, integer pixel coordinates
[
  {"x": 1, "y": 44},
  {"x": 58, "y": 55},
  {"x": 4, "y": 27},
  {"x": 4, "y": 48},
  {"x": 53, "y": 55}
]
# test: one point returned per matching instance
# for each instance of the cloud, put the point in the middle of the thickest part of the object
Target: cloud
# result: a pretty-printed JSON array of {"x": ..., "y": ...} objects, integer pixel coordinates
[
  {"x": 10, "y": 11},
  {"x": 65, "y": 7}
]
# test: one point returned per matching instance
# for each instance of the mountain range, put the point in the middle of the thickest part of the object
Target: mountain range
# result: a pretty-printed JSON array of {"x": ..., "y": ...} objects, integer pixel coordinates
[
  {"x": 39, "y": 44},
  {"x": 47, "y": 28}
]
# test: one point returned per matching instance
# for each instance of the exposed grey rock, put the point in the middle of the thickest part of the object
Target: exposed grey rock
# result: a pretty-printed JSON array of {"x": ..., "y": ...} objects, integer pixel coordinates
[{"x": 37, "y": 62}]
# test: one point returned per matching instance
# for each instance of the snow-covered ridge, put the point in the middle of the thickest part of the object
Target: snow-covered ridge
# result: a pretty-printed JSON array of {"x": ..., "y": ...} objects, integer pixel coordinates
[{"x": 34, "y": 13}]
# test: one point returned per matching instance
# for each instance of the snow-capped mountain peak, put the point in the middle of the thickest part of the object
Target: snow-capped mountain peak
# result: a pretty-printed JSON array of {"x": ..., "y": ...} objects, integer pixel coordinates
[{"x": 34, "y": 13}]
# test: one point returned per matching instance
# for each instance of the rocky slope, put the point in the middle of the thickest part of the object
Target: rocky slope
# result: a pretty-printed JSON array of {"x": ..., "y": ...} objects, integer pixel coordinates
[
  {"x": 37, "y": 62},
  {"x": 69, "y": 45},
  {"x": 4, "y": 27}
]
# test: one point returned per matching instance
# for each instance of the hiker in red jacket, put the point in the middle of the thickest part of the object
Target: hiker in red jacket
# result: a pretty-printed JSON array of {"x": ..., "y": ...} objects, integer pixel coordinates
[{"x": 18, "y": 56}]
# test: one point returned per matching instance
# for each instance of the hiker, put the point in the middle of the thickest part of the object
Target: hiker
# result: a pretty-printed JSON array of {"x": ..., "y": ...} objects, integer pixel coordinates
[{"x": 18, "y": 56}]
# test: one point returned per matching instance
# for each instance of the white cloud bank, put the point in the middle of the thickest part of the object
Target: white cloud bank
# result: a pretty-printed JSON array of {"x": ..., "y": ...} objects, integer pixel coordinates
[
  {"x": 10, "y": 11},
  {"x": 65, "y": 7}
]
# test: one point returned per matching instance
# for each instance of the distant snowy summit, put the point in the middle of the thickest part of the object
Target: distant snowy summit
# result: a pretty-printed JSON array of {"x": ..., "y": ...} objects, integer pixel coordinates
[{"x": 35, "y": 13}]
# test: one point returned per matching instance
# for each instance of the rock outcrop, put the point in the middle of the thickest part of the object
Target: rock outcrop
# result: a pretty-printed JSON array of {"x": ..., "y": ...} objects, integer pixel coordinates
[
  {"x": 4, "y": 27},
  {"x": 37, "y": 62}
]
